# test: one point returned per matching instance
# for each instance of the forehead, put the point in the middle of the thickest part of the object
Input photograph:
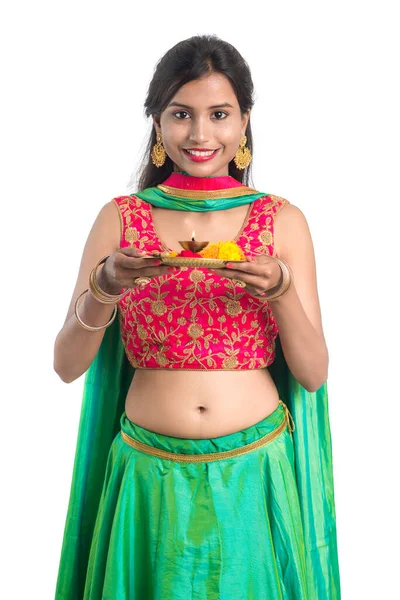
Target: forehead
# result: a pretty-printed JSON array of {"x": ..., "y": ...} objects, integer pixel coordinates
[{"x": 214, "y": 89}]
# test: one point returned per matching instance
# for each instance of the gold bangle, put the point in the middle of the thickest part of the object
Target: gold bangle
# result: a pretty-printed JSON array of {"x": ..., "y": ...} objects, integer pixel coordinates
[
  {"x": 92, "y": 327},
  {"x": 284, "y": 285},
  {"x": 287, "y": 281},
  {"x": 96, "y": 290}
]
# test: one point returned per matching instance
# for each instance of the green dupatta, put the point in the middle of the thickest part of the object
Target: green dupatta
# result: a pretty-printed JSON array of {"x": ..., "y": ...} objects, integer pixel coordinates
[{"x": 105, "y": 389}]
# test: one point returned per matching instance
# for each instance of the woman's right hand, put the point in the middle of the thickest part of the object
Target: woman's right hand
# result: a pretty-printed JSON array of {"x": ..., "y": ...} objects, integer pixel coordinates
[{"x": 123, "y": 266}]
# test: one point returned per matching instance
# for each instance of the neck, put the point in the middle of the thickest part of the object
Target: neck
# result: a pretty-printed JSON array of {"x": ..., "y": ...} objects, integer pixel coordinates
[{"x": 182, "y": 172}]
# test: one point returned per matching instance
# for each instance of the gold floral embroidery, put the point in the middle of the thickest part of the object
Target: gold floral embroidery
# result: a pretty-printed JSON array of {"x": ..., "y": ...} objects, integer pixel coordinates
[
  {"x": 141, "y": 331},
  {"x": 195, "y": 330},
  {"x": 161, "y": 359},
  {"x": 230, "y": 362},
  {"x": 233, "y": 308},
  {"x": 159, "y": 307},
  {"x": 193, "y": 318},
  {"x": 265, "y": 238},
  {"x": 131, "y": 235},
  {"x": 196, "y": 276}
]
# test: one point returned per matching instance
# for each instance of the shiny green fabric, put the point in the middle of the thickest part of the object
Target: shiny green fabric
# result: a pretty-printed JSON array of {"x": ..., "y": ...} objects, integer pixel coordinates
[
  {"x": 196, "y": 519},
  {"x": 157, "y": 197},
  {"x": 228, "y": 530}
]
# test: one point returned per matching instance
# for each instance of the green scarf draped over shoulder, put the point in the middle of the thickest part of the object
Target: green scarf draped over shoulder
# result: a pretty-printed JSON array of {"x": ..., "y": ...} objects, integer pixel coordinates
[{"x": 106, "y": 386}]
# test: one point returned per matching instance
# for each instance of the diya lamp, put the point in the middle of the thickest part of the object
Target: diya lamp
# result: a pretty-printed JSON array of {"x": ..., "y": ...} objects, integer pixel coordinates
[{"x": 192, "y": 245}]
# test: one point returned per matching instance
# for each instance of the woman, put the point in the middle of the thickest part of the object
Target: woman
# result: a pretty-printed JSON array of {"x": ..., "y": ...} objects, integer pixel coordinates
[{"x": 209, "y": 473}]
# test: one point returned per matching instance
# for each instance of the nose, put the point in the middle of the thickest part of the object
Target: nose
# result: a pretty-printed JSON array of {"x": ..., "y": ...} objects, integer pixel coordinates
[{"x": 200, "y": 130}]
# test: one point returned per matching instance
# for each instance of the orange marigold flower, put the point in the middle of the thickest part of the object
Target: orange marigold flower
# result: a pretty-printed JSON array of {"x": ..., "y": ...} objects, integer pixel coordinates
[
  {"x": 210, "y": 251},
  {"x": 231, "y": 251},
  {"x": 224, "y": 250}
]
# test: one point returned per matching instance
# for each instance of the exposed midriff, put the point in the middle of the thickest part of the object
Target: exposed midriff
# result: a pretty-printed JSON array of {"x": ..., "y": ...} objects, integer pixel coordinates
[{"x": 200, "y": 404}]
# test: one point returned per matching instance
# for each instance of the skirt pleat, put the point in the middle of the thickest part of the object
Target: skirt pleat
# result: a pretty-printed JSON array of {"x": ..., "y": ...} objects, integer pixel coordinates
[{"x": 180, "y": 520}]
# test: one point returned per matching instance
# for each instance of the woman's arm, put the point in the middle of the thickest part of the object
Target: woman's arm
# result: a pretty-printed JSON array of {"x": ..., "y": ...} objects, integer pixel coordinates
[
  {"x": 75, "y": 347},
  {"x": 298, "y": 314}
]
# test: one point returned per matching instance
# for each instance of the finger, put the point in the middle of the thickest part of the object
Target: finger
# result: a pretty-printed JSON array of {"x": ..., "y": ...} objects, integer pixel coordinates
[
  {"x": 257, "y": 282},
  {"x": 134, "y": 262},
  {"x": 132, "y": 251},
  {"x": 256, "y": 267},
  {"x": 151, "y": 272}
]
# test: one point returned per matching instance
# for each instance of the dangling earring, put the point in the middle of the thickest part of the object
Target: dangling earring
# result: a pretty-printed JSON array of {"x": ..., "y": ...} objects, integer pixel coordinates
[
  {"x": 243, "y": 156},
  {"x": 158, "y": 154}
]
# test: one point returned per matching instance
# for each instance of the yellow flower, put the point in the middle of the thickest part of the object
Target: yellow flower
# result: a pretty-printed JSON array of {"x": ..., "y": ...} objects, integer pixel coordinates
[
  {"x": 224, "y": 250},
  {"x": 231, "y": 251},
  {"x": 210, "y": 251}
]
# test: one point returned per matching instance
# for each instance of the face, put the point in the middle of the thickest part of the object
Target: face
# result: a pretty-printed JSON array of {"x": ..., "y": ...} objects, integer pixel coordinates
[{"x": 204, "y": 114}]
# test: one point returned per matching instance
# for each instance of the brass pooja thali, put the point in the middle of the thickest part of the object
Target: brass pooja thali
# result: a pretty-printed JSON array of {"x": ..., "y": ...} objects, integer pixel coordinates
[
  {"x": 186, "y": 261},
  {"x": 191, "y": 246}
]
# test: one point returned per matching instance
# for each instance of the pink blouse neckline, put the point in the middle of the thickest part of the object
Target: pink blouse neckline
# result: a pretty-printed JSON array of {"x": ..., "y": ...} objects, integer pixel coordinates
[{"x": 235, "y": 239}]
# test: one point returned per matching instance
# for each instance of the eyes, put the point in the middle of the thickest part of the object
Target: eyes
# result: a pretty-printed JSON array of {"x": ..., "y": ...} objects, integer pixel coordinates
[{"x": 179, "y": 112}]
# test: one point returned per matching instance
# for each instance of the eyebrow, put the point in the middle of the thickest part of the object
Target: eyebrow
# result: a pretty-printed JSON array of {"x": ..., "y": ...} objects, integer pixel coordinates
[{"x": 225, "y": 104}]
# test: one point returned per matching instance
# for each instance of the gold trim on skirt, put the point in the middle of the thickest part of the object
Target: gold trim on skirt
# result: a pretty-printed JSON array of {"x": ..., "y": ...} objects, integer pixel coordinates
[{"x": 214, "y": 456}]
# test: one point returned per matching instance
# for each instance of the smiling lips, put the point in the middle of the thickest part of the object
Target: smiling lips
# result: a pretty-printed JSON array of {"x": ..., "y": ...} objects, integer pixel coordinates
[{"x": 199, "y": 155}]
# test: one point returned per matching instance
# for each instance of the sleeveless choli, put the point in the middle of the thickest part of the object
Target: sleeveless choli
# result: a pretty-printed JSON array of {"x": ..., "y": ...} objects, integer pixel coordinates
[{"x": 195, "y": 319}]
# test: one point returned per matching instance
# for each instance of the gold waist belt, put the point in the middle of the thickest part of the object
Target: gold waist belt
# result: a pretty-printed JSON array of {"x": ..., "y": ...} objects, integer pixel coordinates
[{"x": 266, "y": 439}]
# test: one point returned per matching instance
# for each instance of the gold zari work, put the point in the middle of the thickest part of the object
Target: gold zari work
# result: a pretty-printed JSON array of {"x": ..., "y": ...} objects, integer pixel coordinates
[
  {"x": 208, "y": 194},
  {"x": 195, "y": 319},
  {"x": 213, "y": 456}
]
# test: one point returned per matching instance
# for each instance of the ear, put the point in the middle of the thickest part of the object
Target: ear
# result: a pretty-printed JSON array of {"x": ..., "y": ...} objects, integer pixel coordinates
[
  {"x": 245, "y": 120},
  {"x": 156, "y": 123}
]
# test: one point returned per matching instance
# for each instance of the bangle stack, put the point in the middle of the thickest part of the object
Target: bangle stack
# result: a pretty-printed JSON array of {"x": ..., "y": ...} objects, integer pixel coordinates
[
  {"x": 101, "y": 296},
  {"x": 283, "y": 286},
  {"x": 96, "y": 290}
]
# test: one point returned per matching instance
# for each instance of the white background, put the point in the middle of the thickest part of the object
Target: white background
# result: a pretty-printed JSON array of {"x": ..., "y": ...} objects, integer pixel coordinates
[{"x": 326, "y": 137}]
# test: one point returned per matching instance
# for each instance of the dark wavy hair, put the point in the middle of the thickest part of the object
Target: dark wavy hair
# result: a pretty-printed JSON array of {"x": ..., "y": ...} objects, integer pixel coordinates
[{"x": 191, "y": 59}]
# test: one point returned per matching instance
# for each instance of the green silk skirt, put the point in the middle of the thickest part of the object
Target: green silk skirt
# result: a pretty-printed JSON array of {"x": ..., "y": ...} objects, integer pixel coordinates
[
  {"x": 204, "y": 519},
  {"x": 246, "y": 516}
]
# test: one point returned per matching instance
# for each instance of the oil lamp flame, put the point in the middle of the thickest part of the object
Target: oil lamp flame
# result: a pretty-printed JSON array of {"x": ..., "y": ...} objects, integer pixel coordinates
[{"x": 193, "y": 245}]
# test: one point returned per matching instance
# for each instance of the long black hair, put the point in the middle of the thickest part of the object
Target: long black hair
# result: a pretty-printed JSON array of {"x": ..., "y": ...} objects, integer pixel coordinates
[{"x": 191, "y": 59}]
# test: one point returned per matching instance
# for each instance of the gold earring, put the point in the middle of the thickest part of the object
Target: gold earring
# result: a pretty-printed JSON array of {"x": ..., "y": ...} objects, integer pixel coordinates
[
  {"x": 158, "y": 154},
  {"x": 243, "y": 156}
]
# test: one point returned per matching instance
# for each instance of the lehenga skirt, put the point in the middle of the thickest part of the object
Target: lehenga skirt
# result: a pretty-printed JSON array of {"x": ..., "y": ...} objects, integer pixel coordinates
[{"x": 202, "y": 519}]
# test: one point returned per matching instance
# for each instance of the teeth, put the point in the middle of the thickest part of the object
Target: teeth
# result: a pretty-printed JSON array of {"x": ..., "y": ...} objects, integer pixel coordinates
[{"x": 197, "y": 153}]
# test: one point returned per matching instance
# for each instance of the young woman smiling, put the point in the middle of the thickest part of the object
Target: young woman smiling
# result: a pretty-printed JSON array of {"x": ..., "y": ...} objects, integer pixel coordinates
[{"x": 206, "y": 399}]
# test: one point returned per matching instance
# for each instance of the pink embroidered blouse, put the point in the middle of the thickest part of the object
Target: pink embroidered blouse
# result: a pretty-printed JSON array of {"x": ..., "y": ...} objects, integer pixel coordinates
[{"x": 195, "y": 319}]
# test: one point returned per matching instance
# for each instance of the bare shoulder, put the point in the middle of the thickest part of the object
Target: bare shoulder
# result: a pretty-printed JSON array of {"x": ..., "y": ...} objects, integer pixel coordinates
[
  {"x": 110, "y": 217},
  {"x": 290, "y": 228},
  {"x": 105, "y": 234},
  {"x": 103, "y": 239},
  {"x": 294, "y": 244}
]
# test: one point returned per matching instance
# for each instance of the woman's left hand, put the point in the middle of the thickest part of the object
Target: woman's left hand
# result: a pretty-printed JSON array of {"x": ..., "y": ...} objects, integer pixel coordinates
[{"x": 260, "y": 274}]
